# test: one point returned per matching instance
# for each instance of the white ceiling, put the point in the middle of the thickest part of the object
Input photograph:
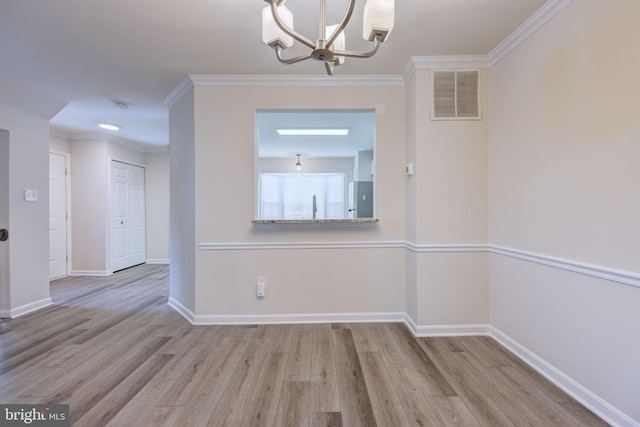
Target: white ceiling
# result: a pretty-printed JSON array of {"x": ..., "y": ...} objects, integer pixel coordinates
[{"x": 91, "y": 53}]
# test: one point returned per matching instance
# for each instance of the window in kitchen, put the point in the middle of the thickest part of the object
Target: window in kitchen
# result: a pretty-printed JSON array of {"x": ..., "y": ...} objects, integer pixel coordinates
[{"x": 302, "y": 196}]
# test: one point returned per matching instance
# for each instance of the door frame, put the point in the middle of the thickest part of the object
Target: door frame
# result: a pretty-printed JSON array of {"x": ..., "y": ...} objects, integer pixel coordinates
[
  {"x": 5, "y": 205},
  {"x": 67, "y": 181},
  {"x": 110, "y": 248}
]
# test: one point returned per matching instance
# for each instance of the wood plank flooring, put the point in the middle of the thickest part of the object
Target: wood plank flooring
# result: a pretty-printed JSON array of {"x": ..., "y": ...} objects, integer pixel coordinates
[{"x": 114, "y": 351}]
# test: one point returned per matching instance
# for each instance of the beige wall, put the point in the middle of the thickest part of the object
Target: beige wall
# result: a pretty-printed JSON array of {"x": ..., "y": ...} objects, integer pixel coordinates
[
  {"x": 182, "y": 243},
  {"x": 448, "y": 199},
  {"x": 299, "y": 281},
  {"x": 563, "y": 182},
  {"x": 411, "y": 195},
  {"x": 450, "y": 172},
  {"x": 446, "y": 205},
  {"x": 24, "y": 258},
  {"x": 89, "y": 207},
  {"x": 157, "y": 206},
  {"x": 58, "y": 143}
]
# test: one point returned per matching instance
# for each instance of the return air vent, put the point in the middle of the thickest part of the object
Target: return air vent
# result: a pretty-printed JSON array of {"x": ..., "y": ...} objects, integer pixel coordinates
[{"x": 456, "y": 95}]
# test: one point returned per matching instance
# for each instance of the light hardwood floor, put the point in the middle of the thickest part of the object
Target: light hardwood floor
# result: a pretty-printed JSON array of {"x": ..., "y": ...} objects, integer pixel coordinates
[{"x": 112, "y": 349}]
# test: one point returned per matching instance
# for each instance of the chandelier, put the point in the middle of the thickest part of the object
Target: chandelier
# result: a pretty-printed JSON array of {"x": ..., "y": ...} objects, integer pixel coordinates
[{"x": 329, "y": 48}]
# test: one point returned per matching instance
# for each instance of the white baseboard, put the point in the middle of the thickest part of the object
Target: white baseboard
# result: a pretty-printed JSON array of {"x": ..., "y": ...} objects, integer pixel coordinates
[
  {"x": 596, "y": 404},
  {"x": 158, "y": 261},
  {"x": 446, "y": 330},
  {"x": 262, "y": 319},
  {"x": 26, "y": 309},
  {"x": 184, "y": 311},
  {"x": 101, "y": 273},
  {"x": 259, "y": 319}
]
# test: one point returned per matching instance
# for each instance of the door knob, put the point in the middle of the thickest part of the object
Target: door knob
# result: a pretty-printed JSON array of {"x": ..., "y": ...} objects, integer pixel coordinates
[{"x": 4, "y": 234}]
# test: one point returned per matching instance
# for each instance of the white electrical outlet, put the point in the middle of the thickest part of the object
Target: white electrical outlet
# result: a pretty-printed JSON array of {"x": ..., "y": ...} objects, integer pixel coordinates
[
  {"x": 261, "y": 287},
  {"x": 30, "y": 195}
]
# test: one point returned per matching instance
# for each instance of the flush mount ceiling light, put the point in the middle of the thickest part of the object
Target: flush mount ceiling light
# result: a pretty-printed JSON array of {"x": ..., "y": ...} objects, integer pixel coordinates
[
  {"x": 329, "y": 48},
  {"x": 109, "y": 126},
  {"x": 312, "y": 132}
]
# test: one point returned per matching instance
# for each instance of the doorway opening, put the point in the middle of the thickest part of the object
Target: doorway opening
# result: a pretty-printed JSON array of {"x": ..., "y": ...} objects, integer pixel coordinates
[{"x": 128, "y": 218}]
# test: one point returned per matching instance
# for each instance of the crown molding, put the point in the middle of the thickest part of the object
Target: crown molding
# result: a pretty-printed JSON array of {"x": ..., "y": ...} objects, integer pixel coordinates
[
  {"x": 185, "y": 86},
  {"x": 543, "y": 15},
  {"x": 96, "y": 136},
  {"x": 295, "y": 81},
  {"x": 439, "y": 62},
  {"x": 59, "y": 133}
]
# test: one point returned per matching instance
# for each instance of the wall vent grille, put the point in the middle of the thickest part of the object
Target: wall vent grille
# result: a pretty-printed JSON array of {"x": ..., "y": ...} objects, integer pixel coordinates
[{"x": 455, "y": 95}]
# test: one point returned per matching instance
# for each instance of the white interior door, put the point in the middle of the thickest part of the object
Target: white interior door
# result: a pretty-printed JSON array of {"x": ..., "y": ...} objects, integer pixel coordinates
[
  {"x": 127, "y": 216},
  {"x": 58, "y": 218}
]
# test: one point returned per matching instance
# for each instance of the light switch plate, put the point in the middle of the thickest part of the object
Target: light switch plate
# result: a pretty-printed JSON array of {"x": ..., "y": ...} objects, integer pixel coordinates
[
  {"x": 260, "y": 288},
  {"x": 30, "y": 195}
]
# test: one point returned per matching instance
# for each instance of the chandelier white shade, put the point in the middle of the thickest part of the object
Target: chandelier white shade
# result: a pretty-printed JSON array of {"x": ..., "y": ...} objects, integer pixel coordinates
[
  {"x": 330, "y": 46},
  {"x": 271, "y": 33},
  {"x": 378, "y": 19},
  {"x": 339, "y": 44}
]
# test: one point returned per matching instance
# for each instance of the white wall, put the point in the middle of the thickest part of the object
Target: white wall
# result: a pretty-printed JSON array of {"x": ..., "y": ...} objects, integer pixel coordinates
[
  {"x": 563, "y": 182},
  {"x": 157, "y": 206},
  {"x": 310, "y": 165},
  {"x": 182, "y": 244},
  {"x": 362, "y": 166}
]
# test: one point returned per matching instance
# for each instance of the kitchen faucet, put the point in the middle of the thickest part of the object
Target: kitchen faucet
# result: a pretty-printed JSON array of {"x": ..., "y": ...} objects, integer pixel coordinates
[{"x": 315, "y": 207}]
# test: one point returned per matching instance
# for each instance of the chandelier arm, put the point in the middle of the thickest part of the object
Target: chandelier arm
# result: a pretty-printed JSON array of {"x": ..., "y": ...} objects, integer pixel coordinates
[
  {"x": 353, "y": 54},
  {"x": 343, "y": 24},
  {"x": 289, "y": 31},
  {"x": 290, "y": 61}
]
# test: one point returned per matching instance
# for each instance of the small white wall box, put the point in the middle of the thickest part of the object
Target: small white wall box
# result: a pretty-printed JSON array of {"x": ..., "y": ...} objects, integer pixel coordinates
[
  {"x": 30, "y": 195},
  {"x": 408, "y": 170}
]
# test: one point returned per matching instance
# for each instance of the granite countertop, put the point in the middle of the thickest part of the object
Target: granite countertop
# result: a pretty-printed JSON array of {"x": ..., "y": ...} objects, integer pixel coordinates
[{"x": 316, "y": 221}]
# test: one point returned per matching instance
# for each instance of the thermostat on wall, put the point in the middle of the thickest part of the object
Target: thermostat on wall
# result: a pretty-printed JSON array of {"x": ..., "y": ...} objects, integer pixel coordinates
[{"x": 30, "y": 195}]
